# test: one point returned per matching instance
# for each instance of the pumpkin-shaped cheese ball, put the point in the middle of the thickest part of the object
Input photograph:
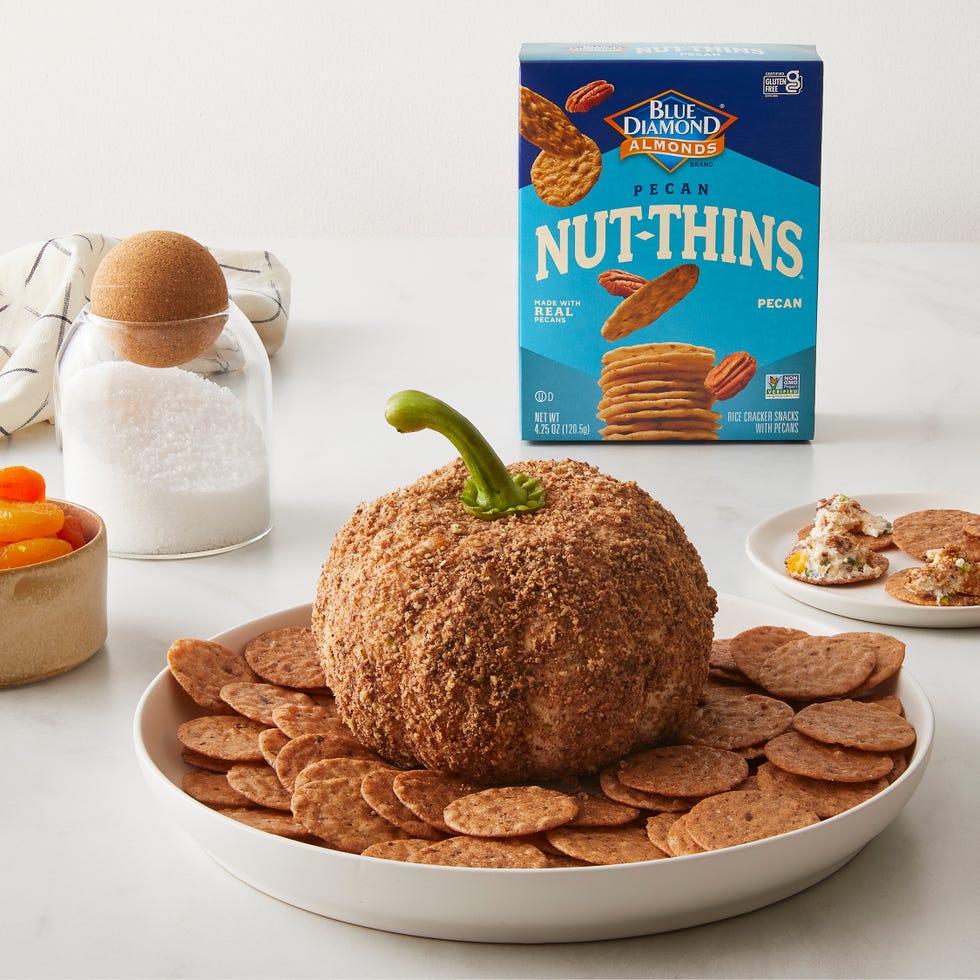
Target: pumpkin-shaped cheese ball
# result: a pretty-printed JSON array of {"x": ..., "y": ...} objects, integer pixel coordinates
[{"x": 545, "y": 643}]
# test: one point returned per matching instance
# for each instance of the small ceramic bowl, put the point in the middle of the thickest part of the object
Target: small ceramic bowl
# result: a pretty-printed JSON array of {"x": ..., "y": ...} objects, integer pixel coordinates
[{"x": 54, "y": 612}]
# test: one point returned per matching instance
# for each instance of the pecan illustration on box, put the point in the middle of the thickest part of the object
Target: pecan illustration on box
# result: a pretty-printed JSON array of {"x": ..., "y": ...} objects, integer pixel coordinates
[
  {"x": 589, "y": 96},
  {"x": 730, "y": 375},
  {"x": 619, "y": 282}
]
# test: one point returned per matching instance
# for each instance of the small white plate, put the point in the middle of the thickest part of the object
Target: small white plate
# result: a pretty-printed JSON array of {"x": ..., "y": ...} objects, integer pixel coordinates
[
  {"x": 770, "y": 541},
  {"x": 518, "y": 906}
]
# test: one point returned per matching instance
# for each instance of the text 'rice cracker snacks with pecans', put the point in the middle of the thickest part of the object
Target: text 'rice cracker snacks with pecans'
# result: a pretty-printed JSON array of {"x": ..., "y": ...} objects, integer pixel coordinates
[{"x": 669, "y": 201}]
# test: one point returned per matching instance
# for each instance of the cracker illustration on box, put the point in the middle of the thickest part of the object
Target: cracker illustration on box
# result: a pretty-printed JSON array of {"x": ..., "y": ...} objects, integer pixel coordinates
[
  {"x": 656, "y": 392},
  {"x": 668, "y": 193},
  {"x": 563, "y": 180},
  {"x": 547, "y": 127},
  {"x": 650, "y": 301},
  {"x": 569, "y": 163}
]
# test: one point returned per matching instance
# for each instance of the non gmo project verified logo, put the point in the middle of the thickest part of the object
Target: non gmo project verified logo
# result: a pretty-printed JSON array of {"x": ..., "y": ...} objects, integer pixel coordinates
[{"x": 782, "y": 386}]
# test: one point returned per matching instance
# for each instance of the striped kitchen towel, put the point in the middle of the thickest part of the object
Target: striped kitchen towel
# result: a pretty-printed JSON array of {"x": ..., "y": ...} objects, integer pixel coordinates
[{"x": 43, "y": 287}]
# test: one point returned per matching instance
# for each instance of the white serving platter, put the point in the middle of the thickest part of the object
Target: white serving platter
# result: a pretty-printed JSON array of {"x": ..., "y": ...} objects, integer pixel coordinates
[
  {"x": 770, "y": 541},
  {"x": 520, "y": 906}
]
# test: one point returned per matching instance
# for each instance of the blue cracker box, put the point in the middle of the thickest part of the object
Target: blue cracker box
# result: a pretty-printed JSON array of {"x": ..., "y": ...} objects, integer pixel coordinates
[{"x": 669, "y": 205}]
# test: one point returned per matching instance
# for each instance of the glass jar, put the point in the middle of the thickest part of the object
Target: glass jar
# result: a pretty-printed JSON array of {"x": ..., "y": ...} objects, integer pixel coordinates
[{"x": 164, "y": 429}]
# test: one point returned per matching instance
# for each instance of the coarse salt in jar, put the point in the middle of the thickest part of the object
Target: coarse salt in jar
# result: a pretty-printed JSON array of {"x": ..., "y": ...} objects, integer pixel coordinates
[{"x": 164, "y": 429}]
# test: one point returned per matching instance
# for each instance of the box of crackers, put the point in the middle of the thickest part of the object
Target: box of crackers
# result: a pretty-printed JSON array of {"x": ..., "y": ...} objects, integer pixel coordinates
[{"x": 669, "y": 206}]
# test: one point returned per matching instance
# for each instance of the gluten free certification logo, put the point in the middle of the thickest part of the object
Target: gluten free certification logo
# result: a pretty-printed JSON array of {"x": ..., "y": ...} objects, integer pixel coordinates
[
  {"x": 776, "y": 83},
  {"x": 671, "y": 128}
]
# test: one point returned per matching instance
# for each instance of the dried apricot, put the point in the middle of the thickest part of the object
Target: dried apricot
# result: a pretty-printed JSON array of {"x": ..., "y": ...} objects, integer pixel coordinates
[
  {"x": 30, "y": 552},
  {"x": 72, "y": 531},
  {"x": 21, "y": 483},
  {"x": 20, "y": 520}
]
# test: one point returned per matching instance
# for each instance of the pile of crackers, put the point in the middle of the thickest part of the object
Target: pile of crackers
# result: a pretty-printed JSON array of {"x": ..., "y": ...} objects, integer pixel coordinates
[
  {"x": 786, "y": 734},
  {"x": 657, "y": 392}
]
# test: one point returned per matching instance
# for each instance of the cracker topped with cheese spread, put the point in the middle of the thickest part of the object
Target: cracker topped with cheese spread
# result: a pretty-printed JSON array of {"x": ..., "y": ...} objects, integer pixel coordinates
[{"x": 841, "y": 546}]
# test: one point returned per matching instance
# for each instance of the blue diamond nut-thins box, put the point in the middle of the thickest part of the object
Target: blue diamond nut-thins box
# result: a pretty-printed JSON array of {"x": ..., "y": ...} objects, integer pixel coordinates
[{"x": 669, "y": 201}]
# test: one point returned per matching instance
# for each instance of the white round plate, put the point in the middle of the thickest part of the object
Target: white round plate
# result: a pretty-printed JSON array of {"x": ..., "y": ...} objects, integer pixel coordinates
[
  {"x": 770, "y": 541},
  {"x": 520, "y": 906}
]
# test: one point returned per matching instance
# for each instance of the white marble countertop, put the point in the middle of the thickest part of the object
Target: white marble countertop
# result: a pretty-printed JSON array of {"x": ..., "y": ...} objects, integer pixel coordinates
[{"x": 97, "y": 884}]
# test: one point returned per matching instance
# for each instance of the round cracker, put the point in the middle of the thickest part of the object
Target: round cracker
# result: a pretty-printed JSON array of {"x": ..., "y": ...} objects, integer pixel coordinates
[
  {"x": 657, "y": 828},
  {"x": 733, "y": 718},
  {"x": 335, "y": 811},
  {"x": 229, "y": 737},
  {"x": 427, "y": 793},
  {"x": 922, "y": 530},
  {"x": 212, "y": 789},
  {"x": 564, "y": 180},
  {"x": 271, "y": 742},
  {"x": 653, "y": 389},
  {"x": 287, "y": 656},
  {"x": 897, "y": 585},
  {"x": 338, "y": 766},
  {"x": 669, "y": 410},
  {"x": 751, "y": 648},
  {"x": 681, "y": 369},
  {"x": 626, "y": 434},
  {"x": 856, "y": 724},
  {"x": 875, "y": 566},
  {"x": 819, "y": 666},
  {"x": 806, "y": 757},
  {"x": 742, "y": 816},
  {"x": 679, "y": 839},
  {"x": 619, "y": 792},
  {"x": 471, "y": 852},
  {"x": 257, "y": 699},
  {"x": 721, "y": 656},
  {"x": 396, "y": 850},
  {"x": 683, "y": 770},
  {"x": 200, "y": 761},
  {"x": 377, "y": 788},
  {"x": 823, "y": 797},
  {"x": 889, "y": 656},
  {"x": 203, "y": 667},
  {"x": 305, "y": 718},
  {"x": 597, "y": 811},
  {"x": 271, "y": 821},
  {"x": 509, "y": 811},
  {"x": 299, "y": 752},
  {"x": 662, "y": 348},
  {"x": 258, "y": 783},
  {"x": 606, "y": 845},
  {"x": 641, "y": 401}
]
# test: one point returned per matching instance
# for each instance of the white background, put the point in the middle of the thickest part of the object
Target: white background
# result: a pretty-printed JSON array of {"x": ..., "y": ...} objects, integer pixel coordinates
[{"x": 249, "y": 120}]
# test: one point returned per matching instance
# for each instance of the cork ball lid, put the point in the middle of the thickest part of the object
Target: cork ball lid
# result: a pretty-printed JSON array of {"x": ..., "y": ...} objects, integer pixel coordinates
[{"x": 156, "y": 277}]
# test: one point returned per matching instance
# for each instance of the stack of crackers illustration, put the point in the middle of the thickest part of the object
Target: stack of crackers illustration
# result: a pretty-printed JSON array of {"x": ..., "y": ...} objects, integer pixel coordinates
[{"x": 656, "y": 391}]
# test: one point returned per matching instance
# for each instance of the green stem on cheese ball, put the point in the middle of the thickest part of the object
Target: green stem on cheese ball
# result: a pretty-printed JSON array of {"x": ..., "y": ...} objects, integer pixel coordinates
[{"x": 491, "y": 491}]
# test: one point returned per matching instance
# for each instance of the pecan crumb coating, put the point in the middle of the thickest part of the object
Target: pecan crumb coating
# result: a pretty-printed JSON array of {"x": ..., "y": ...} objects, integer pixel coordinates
[{"x": 532, "y": 647}]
